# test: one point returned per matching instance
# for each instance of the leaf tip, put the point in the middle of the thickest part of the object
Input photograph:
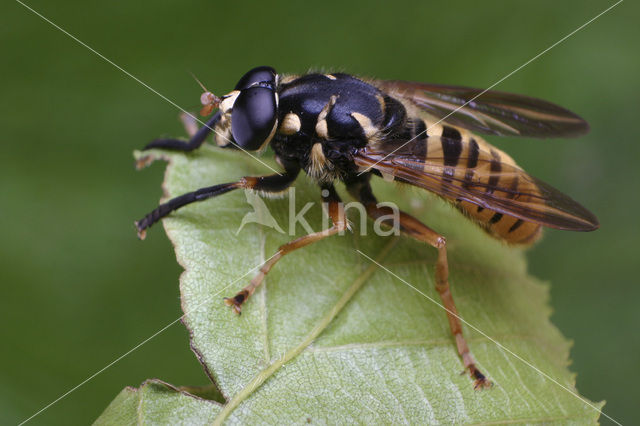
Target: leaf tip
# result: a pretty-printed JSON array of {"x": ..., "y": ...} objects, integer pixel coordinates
[{"x": 143, "y": 162}]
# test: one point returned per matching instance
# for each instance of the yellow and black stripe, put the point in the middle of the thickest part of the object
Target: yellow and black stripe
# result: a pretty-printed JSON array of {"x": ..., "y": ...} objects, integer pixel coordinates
[{"x": 463, "y": 160}]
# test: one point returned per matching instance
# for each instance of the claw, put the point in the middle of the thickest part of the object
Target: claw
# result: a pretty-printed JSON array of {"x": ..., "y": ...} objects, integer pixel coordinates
[
  {"x": 481, "y": 382},
  {"x": 142, "y": 233},
  {"x": 234, "y": 303}
]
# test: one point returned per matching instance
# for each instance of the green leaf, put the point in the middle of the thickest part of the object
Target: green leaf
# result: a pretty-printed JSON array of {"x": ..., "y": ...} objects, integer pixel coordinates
[
  {"x": 333, "y": 338},
  {"x": 158, "y": 402}
]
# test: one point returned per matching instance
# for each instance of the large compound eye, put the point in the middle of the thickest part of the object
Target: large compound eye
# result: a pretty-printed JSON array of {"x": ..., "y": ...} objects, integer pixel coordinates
[
  {"x": 257, "y": 75},
  {"x": 254, "y": 117}
]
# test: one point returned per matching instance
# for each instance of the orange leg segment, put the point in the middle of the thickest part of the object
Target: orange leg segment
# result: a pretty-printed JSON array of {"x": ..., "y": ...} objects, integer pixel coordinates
[
  {"x": 336, "y": 213},
  {"x": 416, "y": 229}
]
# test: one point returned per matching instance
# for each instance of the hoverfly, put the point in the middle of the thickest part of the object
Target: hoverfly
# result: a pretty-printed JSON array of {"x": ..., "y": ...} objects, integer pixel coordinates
[{"x": 337, "y": 127}]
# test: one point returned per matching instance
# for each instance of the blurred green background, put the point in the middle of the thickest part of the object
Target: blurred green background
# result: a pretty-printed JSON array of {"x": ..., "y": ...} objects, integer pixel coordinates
[{"x": 78, "y": 288}]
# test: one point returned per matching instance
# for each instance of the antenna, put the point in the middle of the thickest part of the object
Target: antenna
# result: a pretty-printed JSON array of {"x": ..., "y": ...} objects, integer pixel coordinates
[{"x": 208, "y": 100}]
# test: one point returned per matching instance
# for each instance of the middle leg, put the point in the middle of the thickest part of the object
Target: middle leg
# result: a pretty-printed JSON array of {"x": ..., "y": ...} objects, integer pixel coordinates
[{"x": 336, "y": 213}]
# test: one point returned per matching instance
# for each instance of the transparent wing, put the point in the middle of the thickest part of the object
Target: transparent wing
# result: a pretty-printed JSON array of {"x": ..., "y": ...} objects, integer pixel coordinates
[{"x": 492, "y": 112}]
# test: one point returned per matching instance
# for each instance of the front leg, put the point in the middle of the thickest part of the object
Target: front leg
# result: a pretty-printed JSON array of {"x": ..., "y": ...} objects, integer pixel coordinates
[
  {"x": 336, "y": 213},
  {"x": 272, "y": 183},
  {"x": 196, "y": 139}
]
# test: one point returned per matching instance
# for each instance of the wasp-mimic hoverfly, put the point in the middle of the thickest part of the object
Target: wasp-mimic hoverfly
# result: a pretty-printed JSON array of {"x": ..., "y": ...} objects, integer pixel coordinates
[{"x": 337, "y": 127}]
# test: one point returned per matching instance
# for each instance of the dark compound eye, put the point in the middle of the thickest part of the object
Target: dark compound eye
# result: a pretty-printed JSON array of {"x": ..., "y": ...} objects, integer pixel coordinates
[
  {"x": 254, "y": 117},
  {"x": 257, "y": 75}
]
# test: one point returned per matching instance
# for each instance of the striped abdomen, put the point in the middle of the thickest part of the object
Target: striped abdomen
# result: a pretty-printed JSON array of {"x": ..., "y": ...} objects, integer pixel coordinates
[{"x": 461, "y": 166}]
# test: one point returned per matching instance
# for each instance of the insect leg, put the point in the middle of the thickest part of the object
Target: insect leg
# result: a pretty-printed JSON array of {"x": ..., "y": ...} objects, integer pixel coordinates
[
  {"x": 180, "y": 145},
  {"x": 336, "y": 213},
  {"x": 190, "y": 124},
  {"x": 416, "y": 229},
  {"x": 271, "y": 183}
]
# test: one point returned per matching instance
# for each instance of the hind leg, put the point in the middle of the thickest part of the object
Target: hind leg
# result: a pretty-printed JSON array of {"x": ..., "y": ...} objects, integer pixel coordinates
[{"x": 416, "y": 229}]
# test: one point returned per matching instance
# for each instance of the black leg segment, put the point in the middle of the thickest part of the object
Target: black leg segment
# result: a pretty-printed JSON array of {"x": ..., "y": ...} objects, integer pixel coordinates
[
  {"x": 175, "y": 203},
  {"x": 191, "y": 144},
  {"x": 271, "y": 183}
]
